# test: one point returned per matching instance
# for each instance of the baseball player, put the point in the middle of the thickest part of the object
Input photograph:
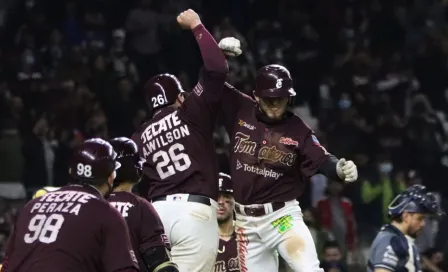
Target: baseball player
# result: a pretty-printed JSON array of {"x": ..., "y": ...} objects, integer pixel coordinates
[
  {"x": 393, "y": 248},
  {"x": 181, "y": 165},
  {"x": 273, "y": 152},
  {"x": 146, "y": 230},
  {"x": 74, "y": 228},
  {"x": 227, "y": 259}
]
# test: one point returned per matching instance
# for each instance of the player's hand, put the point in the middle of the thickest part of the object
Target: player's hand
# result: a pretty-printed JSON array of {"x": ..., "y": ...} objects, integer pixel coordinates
[
  {"x": 230, "y": 46},
  {"x": 189, "y": 19},
  {"x": 347, "y": 170}
]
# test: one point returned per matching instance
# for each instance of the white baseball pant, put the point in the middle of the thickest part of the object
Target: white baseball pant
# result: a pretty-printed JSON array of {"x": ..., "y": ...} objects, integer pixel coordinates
[
  {"x": 260, "y": 239},
  {"x": 192, "y": 229}
]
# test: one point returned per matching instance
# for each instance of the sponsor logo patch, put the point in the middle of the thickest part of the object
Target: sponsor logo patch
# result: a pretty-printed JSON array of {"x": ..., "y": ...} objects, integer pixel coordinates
[
  {"x": 288, "y": 141},
  {"x": 242, "y": 123},
  {"x": 261, "y": 171}
]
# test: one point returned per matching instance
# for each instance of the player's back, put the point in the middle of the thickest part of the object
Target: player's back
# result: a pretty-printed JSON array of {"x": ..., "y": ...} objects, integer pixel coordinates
[
  {"x": 62, "y": 231},
  {"x": 179, "y": 154}
]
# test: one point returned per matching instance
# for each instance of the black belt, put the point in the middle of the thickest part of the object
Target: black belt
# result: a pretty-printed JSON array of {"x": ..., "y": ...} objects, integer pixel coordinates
[
  {"x": 191, "y": 198},
  {"x": 259, "y": 211}
]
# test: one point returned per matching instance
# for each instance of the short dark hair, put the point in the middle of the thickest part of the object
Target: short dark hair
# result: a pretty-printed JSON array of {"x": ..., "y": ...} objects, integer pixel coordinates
[{"x": 331, "y": 244}]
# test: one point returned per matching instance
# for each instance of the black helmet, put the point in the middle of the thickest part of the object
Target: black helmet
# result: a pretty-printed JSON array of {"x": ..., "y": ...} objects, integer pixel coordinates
[
  {"x": 162, "y": 90},
  {"x": 225, "y": 183},
  {"x": 93, "y": 162},
  {"x": 129, "y": 158},
  {"x": 274, "y": 81}
]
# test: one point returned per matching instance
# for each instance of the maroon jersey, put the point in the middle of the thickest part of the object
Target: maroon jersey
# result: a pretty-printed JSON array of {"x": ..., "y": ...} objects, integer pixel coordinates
[
  {"x": 177, "y": 144},
  {"x": 269, "y": 162},
  {"x": 227, "y": 259},
  {"x": 144, "y": 224},
  {"x": 72, "y": 229}
]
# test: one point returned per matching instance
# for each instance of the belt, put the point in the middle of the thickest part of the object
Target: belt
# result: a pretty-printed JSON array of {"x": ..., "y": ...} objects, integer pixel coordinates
[
  {"x": 191, "y": 198},
  {"x": 258, "y": 210}
]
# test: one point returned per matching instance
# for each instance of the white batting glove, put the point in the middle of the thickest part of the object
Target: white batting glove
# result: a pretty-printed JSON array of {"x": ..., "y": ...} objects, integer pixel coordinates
[
  {"x": 230, "y": 46},
  {"x": 347, "y": 170}
]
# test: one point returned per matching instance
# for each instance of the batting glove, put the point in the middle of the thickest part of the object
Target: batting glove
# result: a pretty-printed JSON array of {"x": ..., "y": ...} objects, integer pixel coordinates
[
  {"x": 230, "y": 46},
  {"x": 347, "y": 170}
]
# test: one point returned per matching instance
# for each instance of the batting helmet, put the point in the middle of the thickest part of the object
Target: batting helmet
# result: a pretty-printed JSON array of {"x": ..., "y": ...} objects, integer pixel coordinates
[
  {"x": 93, "y": 161},
  {"x": 225, "y": 183},
  {"x": 415, "y": 200},
  {"x": 130, "y": 160},
  {"x": 274, "y": 81},
  {"x": 162, "y": 90}
]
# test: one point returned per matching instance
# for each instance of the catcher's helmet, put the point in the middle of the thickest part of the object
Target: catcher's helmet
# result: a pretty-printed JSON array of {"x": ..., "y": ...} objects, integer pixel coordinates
[
  {"x": 130, "y": 160},
  {"x": 162, "y": 90},
  {"x": 274, "y": 81},
  {"x": 225, "y": 183},
  {"x": 415, "y": 200},
  {"x": 93, "y": 161}
]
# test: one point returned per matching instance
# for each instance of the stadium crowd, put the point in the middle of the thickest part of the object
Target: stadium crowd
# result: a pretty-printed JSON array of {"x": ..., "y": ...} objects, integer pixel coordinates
[{"x": 370, "y": 77}]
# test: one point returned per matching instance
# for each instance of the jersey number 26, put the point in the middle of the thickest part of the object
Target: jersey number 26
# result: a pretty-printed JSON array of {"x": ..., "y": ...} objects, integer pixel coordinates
[{"x": 167, "y": 163}]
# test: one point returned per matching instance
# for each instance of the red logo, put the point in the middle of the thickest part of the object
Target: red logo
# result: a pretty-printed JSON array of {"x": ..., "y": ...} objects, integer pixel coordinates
[{"x": 288, "y": 141}]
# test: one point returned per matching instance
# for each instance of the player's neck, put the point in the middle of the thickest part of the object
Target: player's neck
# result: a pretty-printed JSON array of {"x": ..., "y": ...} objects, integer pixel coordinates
[
  {"x": 124, "y": 187},
  {"x": 226, "y": 229},
  {"x": 400, "y": 227}
]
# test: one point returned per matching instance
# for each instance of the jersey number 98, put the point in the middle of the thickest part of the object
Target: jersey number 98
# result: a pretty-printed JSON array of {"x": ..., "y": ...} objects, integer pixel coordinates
[
  {"x": 43, "y": 228},
  {"x": 167, "y": 163}
]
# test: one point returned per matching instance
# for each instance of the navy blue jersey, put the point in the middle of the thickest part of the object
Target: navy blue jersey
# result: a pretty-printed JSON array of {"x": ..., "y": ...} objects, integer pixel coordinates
[{"x": 394, "y": 251}]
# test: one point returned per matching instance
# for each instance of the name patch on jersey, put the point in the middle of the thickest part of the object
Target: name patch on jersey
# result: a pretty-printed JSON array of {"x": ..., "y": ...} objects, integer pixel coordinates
[
  {"x": 283, "y": 224},
  {"x": 162, "y": 133},
  {"x": 62, "y": 201},
  {"x": 244, "y": 145}
]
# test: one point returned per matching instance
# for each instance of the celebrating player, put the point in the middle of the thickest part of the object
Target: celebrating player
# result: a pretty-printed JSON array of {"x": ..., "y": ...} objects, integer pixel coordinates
[
  {"x": 274, "y": 152},
  {"x": 393, "y": 248},
  {"x": 74, "y": 228},
  {"x": 227, "y": 259},
  {"x": 181, "y": 164},
  {"x": 146, "y": 230}
]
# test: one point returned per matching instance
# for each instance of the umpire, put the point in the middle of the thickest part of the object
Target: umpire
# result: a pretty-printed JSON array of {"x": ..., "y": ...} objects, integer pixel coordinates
[{"x": 393, "y": 248}]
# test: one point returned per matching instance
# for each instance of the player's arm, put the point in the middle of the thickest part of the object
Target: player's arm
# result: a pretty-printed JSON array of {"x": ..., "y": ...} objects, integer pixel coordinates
[
  {"x": 9, "y": 249},
  {"x": 381, "y": 270},
  {"x": 207, "y": 93},
  {"x": 232, "y": 101},
  {"x": 117, "y": 255},
  {"x": 316, "y": 159},
  {"x": 154, "y": 249},
  {"x": 386, "y": 255}
]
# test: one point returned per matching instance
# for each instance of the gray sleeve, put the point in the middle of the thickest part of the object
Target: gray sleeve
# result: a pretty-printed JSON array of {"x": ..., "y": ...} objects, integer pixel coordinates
[{"x": 384, "y": 256}]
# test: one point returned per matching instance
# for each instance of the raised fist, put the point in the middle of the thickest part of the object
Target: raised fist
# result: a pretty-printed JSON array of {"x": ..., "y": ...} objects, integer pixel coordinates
[{"x": 189, "y": 19}]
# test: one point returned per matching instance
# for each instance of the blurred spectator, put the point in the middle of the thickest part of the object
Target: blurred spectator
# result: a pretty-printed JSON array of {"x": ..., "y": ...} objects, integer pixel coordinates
[
  {"x": 320, "y": 235},
  {"x": 39, "y": 154},
  {"x": 333, "y": 258},
  {"x": 433, "y": 261},
  {"x": 378, "y": 190},
  {"x": 336, "y": 215},
  {"x": 143, "y": 25}
]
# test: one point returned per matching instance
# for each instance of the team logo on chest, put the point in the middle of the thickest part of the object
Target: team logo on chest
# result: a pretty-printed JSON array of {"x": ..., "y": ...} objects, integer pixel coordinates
[{"x": 268, "y": 153}]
